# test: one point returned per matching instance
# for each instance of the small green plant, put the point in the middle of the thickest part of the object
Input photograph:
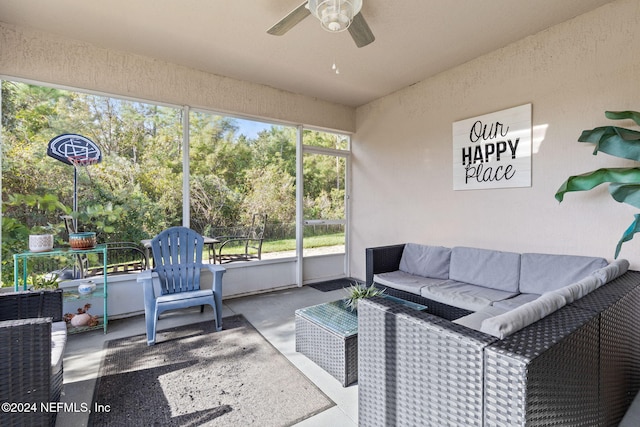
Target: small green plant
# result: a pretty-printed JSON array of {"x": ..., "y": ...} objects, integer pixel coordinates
[
  {"x": 42, "y": 229},
  {"x": 44, "y": 281},
  {"x": 358, "y": 291}
]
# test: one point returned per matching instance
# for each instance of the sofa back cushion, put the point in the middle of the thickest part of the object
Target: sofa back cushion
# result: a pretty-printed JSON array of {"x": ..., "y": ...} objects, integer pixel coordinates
[
  {"x": 577, "y": 290},
  {"x": 427, "y": 261},
  {"x": 512, "y": 321},
  {"x": 615, "y": 269},
  {"x": 540, "y": 273},
  {"x": 484, "y": 267}
]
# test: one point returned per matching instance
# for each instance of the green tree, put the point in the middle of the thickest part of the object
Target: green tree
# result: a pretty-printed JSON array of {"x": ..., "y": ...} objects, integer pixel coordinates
[{"x": 272, "y": 192}]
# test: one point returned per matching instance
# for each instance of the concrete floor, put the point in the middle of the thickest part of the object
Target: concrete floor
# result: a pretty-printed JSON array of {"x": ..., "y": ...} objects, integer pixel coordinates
[{"x": 272, "y": 314}]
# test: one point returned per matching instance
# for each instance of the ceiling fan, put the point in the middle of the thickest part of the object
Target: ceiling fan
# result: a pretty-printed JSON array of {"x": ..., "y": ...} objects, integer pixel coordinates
[{"x": 334, "y": 15}]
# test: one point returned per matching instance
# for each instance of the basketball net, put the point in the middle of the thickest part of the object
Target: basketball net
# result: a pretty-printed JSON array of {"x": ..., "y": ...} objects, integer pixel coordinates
[
  {"x": 82, "y": 160},
  {"x": 78, "y": 161}
]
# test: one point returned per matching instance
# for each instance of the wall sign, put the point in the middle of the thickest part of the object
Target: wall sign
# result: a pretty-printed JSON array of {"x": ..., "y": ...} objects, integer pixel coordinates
[{"x": 493, "y": 150}]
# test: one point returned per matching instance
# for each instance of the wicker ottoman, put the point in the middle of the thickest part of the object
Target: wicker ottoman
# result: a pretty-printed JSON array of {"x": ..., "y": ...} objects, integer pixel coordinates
[{"x": 328, "y": 334}]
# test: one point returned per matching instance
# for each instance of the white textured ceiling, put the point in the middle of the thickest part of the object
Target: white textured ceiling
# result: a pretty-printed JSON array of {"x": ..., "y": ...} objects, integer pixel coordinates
[{"x": 415, "y": 39}]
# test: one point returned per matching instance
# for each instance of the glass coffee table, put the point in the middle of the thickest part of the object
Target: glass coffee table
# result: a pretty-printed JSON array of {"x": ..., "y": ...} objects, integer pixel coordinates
[{"x": 328, "y": 334}]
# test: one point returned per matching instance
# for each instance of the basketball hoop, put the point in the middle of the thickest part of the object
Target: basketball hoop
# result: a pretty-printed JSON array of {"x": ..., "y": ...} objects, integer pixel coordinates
[
  {"x": 76, "y": 150},
  {"x": 73, "y": 149}
]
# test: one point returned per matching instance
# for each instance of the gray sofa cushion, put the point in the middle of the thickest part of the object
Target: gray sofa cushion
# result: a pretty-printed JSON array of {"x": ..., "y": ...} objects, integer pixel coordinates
[
  {"x": 616, "y": 269},
  {"x": 514, "y": 302},
  {"x": 579, "y": 289},
  {"x": 512, "y": 321},
  {"x": 474, "y": 320},
  {"x": 540, "y": 273},
  {"x": 427, "y": 261},
  {"x": 484, "y": 267},
  {"x": 58, "y": 343},
  {"x": 632, "y": 416},
  {"x": 405, "y": 281},
  {"x": 464, "y": 295}
]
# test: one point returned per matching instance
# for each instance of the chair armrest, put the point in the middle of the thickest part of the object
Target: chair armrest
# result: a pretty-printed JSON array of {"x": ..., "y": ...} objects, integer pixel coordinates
[
  {"x": 231, "y": 240},
  {"x": 213, "y": 268},
  {"x": 223, "y": 238},
  {"x": 146, "y": 278},
  {"x": 128, "y": 247},
  {"x": 217, "y": 271},
  {"x": 146, "y": 275}
]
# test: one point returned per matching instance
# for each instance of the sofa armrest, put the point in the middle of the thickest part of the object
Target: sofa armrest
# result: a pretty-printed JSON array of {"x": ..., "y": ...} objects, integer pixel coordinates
[
  {"x": 382, "y": 259},
  {"x": 26, "y": 373},
  {"x": 412, "y": 365},
  {"x": 25, "y": 305},
  {"x": 618, "y": 306},
  {"x": 561, "y": 348}
]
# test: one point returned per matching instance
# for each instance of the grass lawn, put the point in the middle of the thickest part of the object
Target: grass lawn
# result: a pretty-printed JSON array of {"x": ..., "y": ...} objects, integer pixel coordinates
[
  {"x": 290, "y": 244},
  {"x": 309, "y": 242}
]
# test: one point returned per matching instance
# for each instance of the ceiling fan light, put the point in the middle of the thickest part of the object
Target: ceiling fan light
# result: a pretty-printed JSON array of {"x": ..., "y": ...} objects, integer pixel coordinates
[{"x": 335, "y": 15}]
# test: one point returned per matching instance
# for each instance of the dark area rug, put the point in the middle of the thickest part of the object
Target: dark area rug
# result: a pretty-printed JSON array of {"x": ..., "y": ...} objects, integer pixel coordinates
[
  {"x": 194, "y": 376},
  {"x": 332, "y": 285}
]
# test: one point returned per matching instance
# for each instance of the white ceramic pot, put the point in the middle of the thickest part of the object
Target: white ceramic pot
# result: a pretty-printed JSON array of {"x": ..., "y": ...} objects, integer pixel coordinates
[
  {"x": 87, "y": 287},
  {"x": 40, "y": 242}
]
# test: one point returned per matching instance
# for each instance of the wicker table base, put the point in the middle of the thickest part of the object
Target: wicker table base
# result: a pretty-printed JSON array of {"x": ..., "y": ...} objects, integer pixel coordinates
[{"x": 328, "y": 335}]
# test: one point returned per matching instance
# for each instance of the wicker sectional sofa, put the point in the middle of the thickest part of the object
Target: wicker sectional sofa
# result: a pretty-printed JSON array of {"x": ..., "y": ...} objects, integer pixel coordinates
[
  {"x": 577, "y": 363},
  {"x": 33, "y": 336}
]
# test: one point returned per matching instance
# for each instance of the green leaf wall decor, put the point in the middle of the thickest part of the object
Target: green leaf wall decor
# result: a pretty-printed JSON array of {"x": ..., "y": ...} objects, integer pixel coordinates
[{"x": 624, "y": 183}]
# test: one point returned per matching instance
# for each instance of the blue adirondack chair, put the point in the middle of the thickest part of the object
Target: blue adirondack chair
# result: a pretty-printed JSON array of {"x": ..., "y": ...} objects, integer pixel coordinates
[{"x": 177, "y": 257}]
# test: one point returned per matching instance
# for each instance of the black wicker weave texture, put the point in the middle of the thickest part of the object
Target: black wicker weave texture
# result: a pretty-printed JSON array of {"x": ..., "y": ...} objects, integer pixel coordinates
[
  {"x": 618, "y": 304},
  {"x": 578, "y": 366},
  {"x": 382, "y": 260},
  {"x": 526, "y": 382},
  {"x": 25, "y": 354},
  {"x": 431, "y": 381},
  {"x": 25, "y": 305},
  {"x": 336, "y": 354}
]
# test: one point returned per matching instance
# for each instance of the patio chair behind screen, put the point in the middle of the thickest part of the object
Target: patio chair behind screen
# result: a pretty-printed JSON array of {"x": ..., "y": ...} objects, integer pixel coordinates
[
  {"x": 177, "y": 257},
  {"x": 248, "y": 238}
]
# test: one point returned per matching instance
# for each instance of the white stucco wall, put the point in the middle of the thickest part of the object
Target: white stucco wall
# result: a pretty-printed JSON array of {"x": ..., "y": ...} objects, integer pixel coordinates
[
  {"x": 571, "y": 73},
  {"x": 33, "y": 55}
]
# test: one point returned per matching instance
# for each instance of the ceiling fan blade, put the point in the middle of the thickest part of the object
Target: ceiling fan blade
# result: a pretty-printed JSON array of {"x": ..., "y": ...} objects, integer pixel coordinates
[
  {"x": 291, "y": 20},
  {"x": 360, "y": 31}
]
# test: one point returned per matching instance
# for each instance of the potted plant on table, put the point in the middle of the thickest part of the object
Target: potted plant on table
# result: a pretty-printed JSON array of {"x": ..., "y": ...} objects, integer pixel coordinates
[
  {"x": 358, "y": 291},
  {"x": 36, "y": 212},
  {"x": 624, "y": 183},
  {"x": 40, "y": 239}
]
